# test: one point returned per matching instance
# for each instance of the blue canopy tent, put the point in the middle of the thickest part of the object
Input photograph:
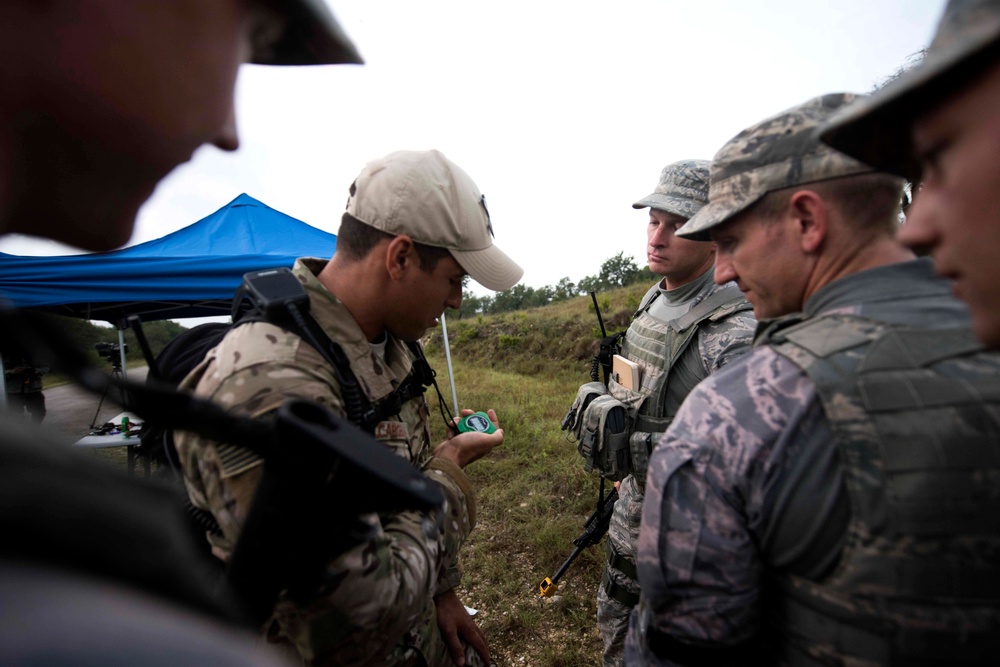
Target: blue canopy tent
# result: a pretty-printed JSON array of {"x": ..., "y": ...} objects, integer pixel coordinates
[{"x": 190, "y": 273}]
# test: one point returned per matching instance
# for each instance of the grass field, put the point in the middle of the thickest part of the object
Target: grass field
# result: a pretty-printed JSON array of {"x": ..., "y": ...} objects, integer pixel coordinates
[{"x": 533, "y": 493}]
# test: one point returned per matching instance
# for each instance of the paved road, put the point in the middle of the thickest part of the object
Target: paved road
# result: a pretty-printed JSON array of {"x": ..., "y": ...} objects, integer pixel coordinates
[{"x": 72, "y": 409}]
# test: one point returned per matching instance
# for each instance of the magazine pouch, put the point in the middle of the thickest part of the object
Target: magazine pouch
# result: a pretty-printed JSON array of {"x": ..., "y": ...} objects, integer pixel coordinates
[{"x": 604, "y": 438}]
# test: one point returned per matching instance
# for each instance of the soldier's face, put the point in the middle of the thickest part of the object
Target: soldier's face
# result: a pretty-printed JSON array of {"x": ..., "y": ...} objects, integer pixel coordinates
[
  {"x": 956, "y": 211},
  {"x": 765, "y": 260},
  {"x": 678, "y": 260},
  {"x": 426, "y": 295},
  {"x": 122, "y": 93}
]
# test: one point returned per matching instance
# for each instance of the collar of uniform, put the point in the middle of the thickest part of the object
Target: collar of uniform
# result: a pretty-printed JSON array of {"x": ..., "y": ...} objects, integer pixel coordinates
[
  {"x": 894, "y": 282},
  {"x": 378, "y": 377}
]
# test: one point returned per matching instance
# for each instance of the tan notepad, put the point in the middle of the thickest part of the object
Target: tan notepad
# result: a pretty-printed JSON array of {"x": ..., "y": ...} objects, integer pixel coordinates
[{"x": 626, "y": 372}]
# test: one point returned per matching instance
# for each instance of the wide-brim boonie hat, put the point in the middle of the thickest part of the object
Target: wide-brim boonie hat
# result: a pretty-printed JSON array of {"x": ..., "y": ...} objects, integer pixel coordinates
[
  {"x": 779, "y": 152},
  {"x": 429, "y": 198},
  {"x": 682, "y": 189},
  {"x": 312, "y": 36},
  {"x": 877, "y": 130}
]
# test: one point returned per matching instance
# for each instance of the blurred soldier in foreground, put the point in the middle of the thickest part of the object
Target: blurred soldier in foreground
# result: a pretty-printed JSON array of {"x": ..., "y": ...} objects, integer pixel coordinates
[
  {"x": 415, "y": 225},
  {"x": 939, "y": 125},
  {"x": 99, "y": 99},
  {"x": 829, "y": 498},
  {"x": 23, "y": 384},
  {"x": 686, "y": 327}
]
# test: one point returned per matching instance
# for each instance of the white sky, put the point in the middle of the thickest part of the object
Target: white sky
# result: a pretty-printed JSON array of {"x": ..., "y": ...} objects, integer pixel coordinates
[{"x": 562, "y": 111}]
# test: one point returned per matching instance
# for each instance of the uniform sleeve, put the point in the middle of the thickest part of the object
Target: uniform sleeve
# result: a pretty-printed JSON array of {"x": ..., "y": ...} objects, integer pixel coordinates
[
  {"x": 376, "y": 592},
  {"x": 710, "y": 482},
  {"x": 724, "y": 340}
]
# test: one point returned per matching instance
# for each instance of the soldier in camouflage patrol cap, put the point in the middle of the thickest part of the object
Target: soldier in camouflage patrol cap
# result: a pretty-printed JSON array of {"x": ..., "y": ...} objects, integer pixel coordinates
[
  {"x": 829, "y": 498},
  {"x": 685, "y": 328},
  {"x": 939, "y": 125},
  {"x": 415, "y": 225}
]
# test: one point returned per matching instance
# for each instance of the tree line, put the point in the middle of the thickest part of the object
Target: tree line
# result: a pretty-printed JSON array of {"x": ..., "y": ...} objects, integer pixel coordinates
[{"x": 617, "y": 271}]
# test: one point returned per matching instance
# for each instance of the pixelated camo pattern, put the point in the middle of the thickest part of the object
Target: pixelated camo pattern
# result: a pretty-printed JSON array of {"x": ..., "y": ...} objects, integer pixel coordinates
[
  {"x": 916, "y": 414},
  {"x": 721, "y": 337},
  {"x": 779, "y": 152}
]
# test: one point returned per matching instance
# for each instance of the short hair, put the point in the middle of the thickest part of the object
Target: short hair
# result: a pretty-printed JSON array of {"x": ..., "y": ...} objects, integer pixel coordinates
[
  {"x": 869, "y": 202},
  {"x": 356, "y": 239}
]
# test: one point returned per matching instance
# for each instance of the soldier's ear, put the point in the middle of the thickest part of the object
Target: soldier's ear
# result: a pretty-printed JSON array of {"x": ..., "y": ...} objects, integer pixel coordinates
[
  {"x": 811, "y": 217},
  {"x": 400, "y": 256}
]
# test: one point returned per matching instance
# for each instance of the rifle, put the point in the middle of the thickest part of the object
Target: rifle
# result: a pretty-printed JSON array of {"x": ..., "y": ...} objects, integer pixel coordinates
[
  {"x": 593, "y": 530},
  {"x": 609, "y": 346},
  {"x": 333, "y": 465},
  {"x": 597, "y": 525}
]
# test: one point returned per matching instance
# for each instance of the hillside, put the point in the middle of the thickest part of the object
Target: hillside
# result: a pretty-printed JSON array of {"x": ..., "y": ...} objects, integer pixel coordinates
[{"x": 533, "y": 493}]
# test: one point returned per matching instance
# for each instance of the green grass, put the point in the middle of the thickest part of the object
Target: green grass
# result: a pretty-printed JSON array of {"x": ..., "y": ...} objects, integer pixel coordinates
[{"x": 533, "y": 494}]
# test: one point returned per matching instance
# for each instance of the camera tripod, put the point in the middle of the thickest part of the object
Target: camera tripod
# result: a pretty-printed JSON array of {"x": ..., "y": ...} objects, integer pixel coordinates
[{"x": 116, "y": 374}]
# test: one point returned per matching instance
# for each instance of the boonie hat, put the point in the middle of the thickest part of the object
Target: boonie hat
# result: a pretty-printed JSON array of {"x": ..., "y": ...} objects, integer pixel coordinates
[
  {"x": 779, "y": 152},
  {"x": 429, "y": 198},
  {"x": 682, "y": 190},
  {"x": 877, "y": 129},
  {"x": 312, "y": 36}
]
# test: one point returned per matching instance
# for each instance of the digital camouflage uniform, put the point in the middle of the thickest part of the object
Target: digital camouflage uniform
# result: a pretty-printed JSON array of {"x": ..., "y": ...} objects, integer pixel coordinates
[
  {"x": 375, "y": 605},
  {"x": 854, "y": 519},
  {"x": 677, "y": 337},
  {"x": 673, "y": 356},
  {"x": 830, "y": 498}
]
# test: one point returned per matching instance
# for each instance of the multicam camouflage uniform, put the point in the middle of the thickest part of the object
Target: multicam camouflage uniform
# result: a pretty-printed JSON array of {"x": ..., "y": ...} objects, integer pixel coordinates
[
  {"x": 832, "y": 497},
  {"x": 376, "y": 603},
  {"x": 673, "y": 356}
]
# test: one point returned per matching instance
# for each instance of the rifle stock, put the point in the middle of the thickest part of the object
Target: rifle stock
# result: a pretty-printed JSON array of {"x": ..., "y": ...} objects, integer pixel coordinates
[{"x": 593, "y": 530}]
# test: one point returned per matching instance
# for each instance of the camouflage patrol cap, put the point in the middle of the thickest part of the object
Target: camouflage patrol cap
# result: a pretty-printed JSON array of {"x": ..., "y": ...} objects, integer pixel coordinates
[
  {"x": 877, "y": 129},
  {"x": 779, "y": 152},
  {"x": 429, "y": 198},
  {"x": 310, "y": 36},
  {"x": 682, "y": 190}
]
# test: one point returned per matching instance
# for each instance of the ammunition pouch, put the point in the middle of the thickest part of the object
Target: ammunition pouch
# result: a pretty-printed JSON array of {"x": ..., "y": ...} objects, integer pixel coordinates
[
  {"x": 604, "y": 438},
  {"x": 584, "y": 395}
]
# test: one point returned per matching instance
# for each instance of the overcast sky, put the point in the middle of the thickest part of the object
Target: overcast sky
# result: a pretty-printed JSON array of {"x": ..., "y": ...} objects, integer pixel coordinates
[{"x": 563, "y": 112}]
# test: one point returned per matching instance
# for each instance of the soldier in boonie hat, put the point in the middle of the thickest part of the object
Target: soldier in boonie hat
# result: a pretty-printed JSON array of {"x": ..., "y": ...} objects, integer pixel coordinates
[
  {"x": 939, "y": 125},
  {"x": 774, "y": 154}
]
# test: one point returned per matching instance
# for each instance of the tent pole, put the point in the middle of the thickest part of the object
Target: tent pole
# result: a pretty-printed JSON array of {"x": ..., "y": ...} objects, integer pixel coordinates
[
  {"x": 121, "y": 351},
  {"x": 447, "y": 356}
]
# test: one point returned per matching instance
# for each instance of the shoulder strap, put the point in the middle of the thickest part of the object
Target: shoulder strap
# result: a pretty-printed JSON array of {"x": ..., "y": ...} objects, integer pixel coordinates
[
  {"x": 647, "y": 300},
  {"x": 710, "y": 304}
]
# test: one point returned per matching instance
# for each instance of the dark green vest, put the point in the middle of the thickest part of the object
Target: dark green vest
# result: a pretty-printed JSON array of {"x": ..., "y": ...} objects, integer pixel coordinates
[{"x": 916, "y": 418}]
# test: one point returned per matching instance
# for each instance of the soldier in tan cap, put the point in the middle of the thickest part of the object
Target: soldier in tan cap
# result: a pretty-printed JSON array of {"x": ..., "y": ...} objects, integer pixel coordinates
[
  {"x": 828, "y": 498},
  {"x": 939, "y": 125},
  {"x": 415, "y": 226},
  {"x": 686, "y": 327}
]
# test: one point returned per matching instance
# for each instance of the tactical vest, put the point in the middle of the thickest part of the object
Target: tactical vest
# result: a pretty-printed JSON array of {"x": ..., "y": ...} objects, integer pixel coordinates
[
  {"x": 916, "y": 418},
  {"x": 656, "y": 346}
]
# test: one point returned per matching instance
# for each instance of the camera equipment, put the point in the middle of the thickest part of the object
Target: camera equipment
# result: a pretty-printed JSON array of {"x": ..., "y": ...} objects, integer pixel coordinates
[{"x": 110, "y": 351}]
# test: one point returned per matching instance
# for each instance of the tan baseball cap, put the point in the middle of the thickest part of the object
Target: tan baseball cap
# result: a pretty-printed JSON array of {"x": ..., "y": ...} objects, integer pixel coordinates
[
  {"x": 779, "y": 152},
  {"x": 877, "y": 129},
  {"x": 429, "y": 198},
  {"x": 312, "y": 36}
]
